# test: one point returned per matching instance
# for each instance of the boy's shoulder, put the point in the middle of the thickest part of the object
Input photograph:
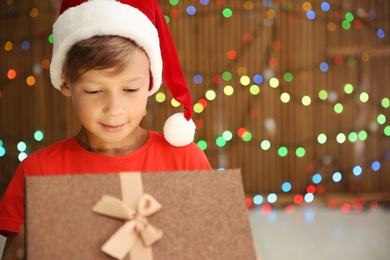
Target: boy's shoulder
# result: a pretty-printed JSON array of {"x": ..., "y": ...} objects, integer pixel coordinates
[
  {"x": 59, "y": 146},
  {"x": 158, "y": 139}
]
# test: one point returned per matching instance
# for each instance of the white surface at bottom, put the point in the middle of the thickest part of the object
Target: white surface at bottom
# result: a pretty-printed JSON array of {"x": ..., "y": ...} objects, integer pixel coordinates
[{"x": 318, "y": 233}]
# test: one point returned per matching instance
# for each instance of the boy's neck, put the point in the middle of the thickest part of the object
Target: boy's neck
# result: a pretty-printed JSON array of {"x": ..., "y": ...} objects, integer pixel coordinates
[{"x": 140, "y": 139}]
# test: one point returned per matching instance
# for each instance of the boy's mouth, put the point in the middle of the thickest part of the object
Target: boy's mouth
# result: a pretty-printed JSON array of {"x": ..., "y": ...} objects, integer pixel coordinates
[{"x": 112, "y": 128}]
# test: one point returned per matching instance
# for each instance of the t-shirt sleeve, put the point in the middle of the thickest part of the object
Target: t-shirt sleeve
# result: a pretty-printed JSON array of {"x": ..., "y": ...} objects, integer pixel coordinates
[
  {"x": 12, "y": 203},
  {"x": 197, "y": 159}
]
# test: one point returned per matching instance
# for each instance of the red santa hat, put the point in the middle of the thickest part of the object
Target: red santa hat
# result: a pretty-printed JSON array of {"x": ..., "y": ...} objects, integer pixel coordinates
[{"x": 143, "y": 22}]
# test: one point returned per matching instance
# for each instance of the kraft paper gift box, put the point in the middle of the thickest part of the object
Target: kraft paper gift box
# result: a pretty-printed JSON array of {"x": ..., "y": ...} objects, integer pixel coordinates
[{"x": 139, "y": 216}]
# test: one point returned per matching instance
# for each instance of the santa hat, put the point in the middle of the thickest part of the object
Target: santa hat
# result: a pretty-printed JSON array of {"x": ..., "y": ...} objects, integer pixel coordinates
[{"x": 143, "y": 22}]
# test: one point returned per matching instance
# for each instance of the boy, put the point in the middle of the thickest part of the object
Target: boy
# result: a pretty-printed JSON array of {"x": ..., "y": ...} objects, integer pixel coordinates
[{"x": 107, "y": 58}]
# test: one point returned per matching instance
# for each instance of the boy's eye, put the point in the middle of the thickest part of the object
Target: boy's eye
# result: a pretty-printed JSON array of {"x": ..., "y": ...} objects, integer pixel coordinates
[
  {"x": 131, "y": 90},
  {"x": 92, "y": 92}
]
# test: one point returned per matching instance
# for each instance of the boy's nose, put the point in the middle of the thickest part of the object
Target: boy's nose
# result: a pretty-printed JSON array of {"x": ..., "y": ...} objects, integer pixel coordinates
[{"x": 114, "y": 105}]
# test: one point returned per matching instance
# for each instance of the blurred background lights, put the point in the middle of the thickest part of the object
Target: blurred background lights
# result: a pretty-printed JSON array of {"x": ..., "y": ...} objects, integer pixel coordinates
[
  {"x": 198, "y": 79},
  {"x": 387, "y": 130},
  {"x": 258, "y": 79},
  {"x": 364, "y": 97},
  {"x": 309, "y": 197},
  {"x": 375, "y": 166},
  {"x": 232, "y": 55},
  {"x": 175, "y": 103},
  {"x": 245, "y": 80},
  {"x": 372, "y": 14},
  {"x": 381, "y": 119},
  {"x": 348, "y": 88},
  {"x": 227, "y": 135},
  {"x": 317, "y": 178},
  {"x": 337, "y": 176},
  {"x": 300, "y": 152},
  {"x": 30, "y": 80},
  {"x": 363, "y": 135},
  {"x": 338, "y": 108},
  {"x": 285, "y": 97},
  {"x": 11, "y": 74},
  {"x": 38, "y": 135},
  {"x": 25, "y": 45},
  {"x": 306, "y": 6},
  {"x": 282, "y": 151},
  {"x": 34, "y": 12},
  {"x": 288, "y": 77},
  {"x": 265, "y": 145},
  {"x": 50, "y": 38},
  {"x": 22, "y": 156},
  {"x": 220, "y": 141},
  {"x": 191, "y": 10},
  {"x": 241, "y": 71},
  {"x": 352, "y": 137},
  {"x": 270, "y": 124},
  {"x": 247, "y": 136},
  {"x": 385, "y": 103},
  {"x": 272, "y": 198},
  {"x": 287, "y": 6},
  {"x": 324, "y": 66},
  {"x": 198, "y": 108},
  {"x": 327, "y": 159},
  {"x": 8, "y": 46},
  {"x": 306, "y": 100},
  {"x": 228, "y": 90},
  {"x": 357, "y": 170},
  {"x": 160, "y": 97},
  {"x": 37, "y": 69},
  {"x": 349, "y": 16},
  {"x": 173, "y": 2},
  {"x": 322, "y": 138},
  {"x": 226, "y": 76},
  {"x": 340, "y": 138},
  {"x": 380, "y": 33},
  {"x": 323, "y": 94},
  {"x": 286, "y": 187},
  {"x": 202, "y": 144},
  {"x": 254, "y": 89},
  {"x": 331, "y": 26},
  {"x": 227, "y": 12},
  {"x": 210, "y": 95},
  {"x": 333, "y": 96},
  {"x": 310, "y": 15},
  {"x": 298, "y": 199},
  {"x": 274, "y": 82},
  {"x": 346, "y": 25},
  {"x": 258, "y": 199},
  {"x": 21, "y": 146},
  {"x": 325, "y": 6},
  {"x": 311, "y": 189}
]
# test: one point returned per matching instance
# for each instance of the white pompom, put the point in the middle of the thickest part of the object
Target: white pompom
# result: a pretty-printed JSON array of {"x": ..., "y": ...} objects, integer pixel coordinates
[{"x": 178, "y": 131}]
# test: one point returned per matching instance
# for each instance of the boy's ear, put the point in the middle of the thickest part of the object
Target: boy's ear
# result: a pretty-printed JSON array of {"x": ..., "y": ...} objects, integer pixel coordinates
[{"x": 65, "y": 90}]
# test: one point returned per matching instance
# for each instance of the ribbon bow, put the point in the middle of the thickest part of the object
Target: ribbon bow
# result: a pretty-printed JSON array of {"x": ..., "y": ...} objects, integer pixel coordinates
[{"x": 136, "y": 225}]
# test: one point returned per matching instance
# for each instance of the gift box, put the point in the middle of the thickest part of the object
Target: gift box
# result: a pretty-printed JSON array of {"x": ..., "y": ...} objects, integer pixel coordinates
[{"x": 152, "y": 215}]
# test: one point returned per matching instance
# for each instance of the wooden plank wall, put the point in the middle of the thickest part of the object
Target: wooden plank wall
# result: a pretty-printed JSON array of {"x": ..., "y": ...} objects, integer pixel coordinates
[{"x": 259, "y": 35}]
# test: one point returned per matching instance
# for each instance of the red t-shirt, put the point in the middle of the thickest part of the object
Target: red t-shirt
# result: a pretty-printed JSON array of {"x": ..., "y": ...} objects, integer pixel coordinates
[{"x": 67, "y": 157}]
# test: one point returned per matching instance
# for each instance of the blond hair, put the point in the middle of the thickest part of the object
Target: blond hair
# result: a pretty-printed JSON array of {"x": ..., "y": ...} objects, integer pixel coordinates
[{"x": 98, "y": 52}]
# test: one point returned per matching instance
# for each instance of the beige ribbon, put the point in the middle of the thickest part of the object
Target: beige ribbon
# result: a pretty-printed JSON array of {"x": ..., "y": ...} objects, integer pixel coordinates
[{"x": 136, "y": 225}]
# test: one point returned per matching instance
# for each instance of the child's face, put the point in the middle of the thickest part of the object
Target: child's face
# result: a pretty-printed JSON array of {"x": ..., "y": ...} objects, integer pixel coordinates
[{"x": 110, "y": 106}]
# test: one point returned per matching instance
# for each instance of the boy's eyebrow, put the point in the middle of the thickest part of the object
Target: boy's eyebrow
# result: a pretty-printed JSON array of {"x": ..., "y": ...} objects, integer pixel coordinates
[{"x": 127, "y": 80}]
